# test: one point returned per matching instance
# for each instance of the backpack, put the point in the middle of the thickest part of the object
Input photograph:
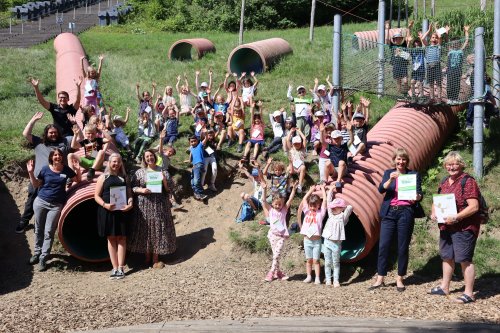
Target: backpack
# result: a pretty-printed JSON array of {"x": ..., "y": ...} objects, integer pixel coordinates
[
  {"x": 245, "y": 213},
  {"x": 483, "y": 212}
]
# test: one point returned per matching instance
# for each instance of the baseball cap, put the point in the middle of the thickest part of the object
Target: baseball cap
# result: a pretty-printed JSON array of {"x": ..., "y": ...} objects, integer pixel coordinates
[
  {"x": 358, "y": 115},
  {"x": 255, "y": 172},
  {"x": 289, "y": 119},
  {"x": 276, "y": 114},
  {"x": 218, "y": 113},
  {"x": 204, "y": 85},
  {"x": 321, "y": 87},
  {"x": 319, "y": 114},
  {"x": 118, "y": 118},
  {"x": 337, "y": 202},
  {"x": 397, "y": 35},
  {"x": 301, "y": 87},
  {"x": 204, "y": 94},
  {"x": 296, "y": 139},
  {"x": 336, "y": 134}
]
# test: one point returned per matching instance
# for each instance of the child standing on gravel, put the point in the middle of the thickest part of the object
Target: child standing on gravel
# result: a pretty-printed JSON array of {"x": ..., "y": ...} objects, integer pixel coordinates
[
  {"x": 333, "y": 235},
  {"x": 314, "y": 211},
  {"x": 278, "y": 231}
]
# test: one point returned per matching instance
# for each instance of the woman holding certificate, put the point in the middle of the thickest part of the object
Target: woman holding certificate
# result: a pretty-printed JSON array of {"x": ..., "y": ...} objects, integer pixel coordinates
[
  {"x": 403, "y": 191},
  {"x": 114, "y": 197},
  {"x": 153, "y": 231},
  {"x": 458, "y": 224}
]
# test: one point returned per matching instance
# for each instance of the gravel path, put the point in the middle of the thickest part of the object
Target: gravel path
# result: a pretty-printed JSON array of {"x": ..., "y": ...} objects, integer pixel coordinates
[{"x": 205, "y": 279}]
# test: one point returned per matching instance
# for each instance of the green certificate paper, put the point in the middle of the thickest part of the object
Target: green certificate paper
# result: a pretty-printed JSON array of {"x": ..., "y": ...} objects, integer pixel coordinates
[
  {"x": 407, "y": 187},
  {"x": 154, "y": 181}
]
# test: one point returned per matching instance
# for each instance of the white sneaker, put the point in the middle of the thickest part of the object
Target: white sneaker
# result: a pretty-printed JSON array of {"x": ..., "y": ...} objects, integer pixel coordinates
[
  {"x": 112, "y": 276},
  {"x": 308, "y": 279},
  {"x": 336, "y": 284},
  {"x": 328, "y": 282},
  {"x": 120, "y": 274},
  {"x": 317, "y": 281}
]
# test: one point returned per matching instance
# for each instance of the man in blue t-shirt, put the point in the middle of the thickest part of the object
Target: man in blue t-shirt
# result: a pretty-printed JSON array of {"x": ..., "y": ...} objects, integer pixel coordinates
[{"x": 196, "y": 157}]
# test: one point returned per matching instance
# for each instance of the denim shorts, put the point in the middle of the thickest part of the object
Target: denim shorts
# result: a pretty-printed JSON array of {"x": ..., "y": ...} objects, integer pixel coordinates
[{"x": 312, "y": 248}]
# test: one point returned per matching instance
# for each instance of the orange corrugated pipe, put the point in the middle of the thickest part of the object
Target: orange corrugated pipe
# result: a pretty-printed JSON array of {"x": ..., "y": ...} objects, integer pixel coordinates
[{"x": 181, "y": 49}]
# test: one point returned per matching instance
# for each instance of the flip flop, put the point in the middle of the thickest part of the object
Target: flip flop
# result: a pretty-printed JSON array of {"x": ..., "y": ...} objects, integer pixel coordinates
[
  {"x": 437, "y": 291},
  {"x": 464, "y": 299}
]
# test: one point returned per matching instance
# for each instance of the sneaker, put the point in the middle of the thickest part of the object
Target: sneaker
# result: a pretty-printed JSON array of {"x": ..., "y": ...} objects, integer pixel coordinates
[
  {"x": 90, "y": 174},
  {"x": 317, "y": 281},
  {"x": 42, "y": 266},
  {"x": 263, "y": 222},
  {"x": 196, "y": 196},
  {"x": 202, "y": 196},
  {"x": 269, "y": 277},
  {"x": 239, "y": 149},
  {"x": 336, "y": 284},
  {"x": 21, "y": 226},
  {"x": 338, "y": 185},
  {"x": 349, "y": 159},
  {"x": 281, "y": 276},
  {"x": 120, "y": 274},
  {"x": 176, "y": 206},
  {"x": 212, "y": 188},
  {"x": 328, "y": 282},
  {"x": 34, "y": 259},
  {"x": 112, "y": 276},
  {"x": 308, "y": 279}
]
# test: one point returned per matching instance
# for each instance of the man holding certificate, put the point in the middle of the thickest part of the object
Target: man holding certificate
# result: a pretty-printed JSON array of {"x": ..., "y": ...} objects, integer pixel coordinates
[
  {"x": 456, "y": 208},
  {"x": 403, "y": 191}
]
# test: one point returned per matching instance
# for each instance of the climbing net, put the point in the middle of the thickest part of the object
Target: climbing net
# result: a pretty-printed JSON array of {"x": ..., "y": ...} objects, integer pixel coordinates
[{"x": 420, "y": 75}]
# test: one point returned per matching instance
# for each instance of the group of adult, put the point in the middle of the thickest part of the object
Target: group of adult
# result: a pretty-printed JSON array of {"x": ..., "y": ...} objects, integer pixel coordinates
[
  {"x": 145, "y": 218},
  {"x": 458, "y": 233}
]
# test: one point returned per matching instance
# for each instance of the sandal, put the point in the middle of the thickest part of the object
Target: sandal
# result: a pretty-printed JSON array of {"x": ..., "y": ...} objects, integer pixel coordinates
[
  {"x": 464, "y": 299},
  {"x": 437, "y": 291}
]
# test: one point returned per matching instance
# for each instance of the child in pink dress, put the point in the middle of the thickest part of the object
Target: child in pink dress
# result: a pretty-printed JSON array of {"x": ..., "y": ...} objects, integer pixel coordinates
[
  {"x": 91, "y": 86},
  {"x": 278, "y": 231}
]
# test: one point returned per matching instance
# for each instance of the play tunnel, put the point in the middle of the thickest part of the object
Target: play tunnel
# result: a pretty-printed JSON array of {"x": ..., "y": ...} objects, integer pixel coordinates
[
  {"x": 190, "y": 49},
  {"x": 258, "y": 56}
]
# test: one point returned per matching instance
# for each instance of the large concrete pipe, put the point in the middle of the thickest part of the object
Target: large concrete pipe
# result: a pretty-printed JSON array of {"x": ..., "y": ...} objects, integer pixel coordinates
[
  {"x": 422, "y": 134},
  {"x": 189, "y": 49},
  {"x": 363, "y": 40},
  {"x": 258, "y": 56}
]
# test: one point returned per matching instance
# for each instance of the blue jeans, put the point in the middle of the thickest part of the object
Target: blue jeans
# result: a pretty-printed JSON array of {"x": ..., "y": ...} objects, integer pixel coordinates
[
  {"x": 332, "y": 259},
  {"x": 46, "y": 219},
  {"x": 196, "y": 174},
  {"x": 398, "y": 221}
]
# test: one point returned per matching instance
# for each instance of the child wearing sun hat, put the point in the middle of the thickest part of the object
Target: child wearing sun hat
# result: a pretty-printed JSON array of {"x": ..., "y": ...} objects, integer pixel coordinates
[{"x": 333, "y": 235}]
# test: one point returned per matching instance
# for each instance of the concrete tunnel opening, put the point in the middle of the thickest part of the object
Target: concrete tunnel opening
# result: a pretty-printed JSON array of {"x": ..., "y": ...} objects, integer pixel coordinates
[
  {"x": 184, "y": 51},
  {"x": 246, "y": 60},
  {"x": 79, "y": 232}
]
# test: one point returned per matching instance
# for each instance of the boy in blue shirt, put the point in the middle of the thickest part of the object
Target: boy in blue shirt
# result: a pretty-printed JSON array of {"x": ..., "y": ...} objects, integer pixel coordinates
[{"x": 196, "y": 157}]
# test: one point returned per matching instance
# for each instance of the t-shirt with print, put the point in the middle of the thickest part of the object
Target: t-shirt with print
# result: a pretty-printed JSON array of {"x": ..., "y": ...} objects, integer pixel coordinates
[
  {"x": 60, "y": 117},
  {"x": 279, "y": 183},
  {"x": 277, "y": 221},
  {"x": 312, "y": 223},
  {"x": 53, "y": 189},
  {"x": 361, "y": 133},
  {"x": 92, "y": 147},
  {"x": 42, "y": 151}
]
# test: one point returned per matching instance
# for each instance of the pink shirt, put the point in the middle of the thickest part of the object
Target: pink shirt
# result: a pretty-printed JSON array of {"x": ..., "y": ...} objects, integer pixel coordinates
[
  {"x": 396, "y": 202},
  {"x": 277, "y": 221},
  {"x": 313, "y": 221},
  {"x": 254, "y": 129}
]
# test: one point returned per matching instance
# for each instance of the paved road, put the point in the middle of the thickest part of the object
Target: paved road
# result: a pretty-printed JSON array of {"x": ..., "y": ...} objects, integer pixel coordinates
[
  {"x": 310, "y": 324},
  {"x": 36, "y": 32}
]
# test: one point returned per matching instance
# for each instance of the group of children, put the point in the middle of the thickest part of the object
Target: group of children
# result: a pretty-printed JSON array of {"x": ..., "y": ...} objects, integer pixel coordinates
[{"x": 422, "y": 57}]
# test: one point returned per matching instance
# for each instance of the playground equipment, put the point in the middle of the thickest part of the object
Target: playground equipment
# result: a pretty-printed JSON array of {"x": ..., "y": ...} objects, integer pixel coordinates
[
  {"x": 188, "y": 49},
  {"x": 258, "y": 56},
  {"x": 363, "y": 40}
]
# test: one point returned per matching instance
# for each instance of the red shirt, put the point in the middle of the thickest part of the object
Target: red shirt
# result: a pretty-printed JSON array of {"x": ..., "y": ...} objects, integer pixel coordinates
[{"x": 471, "y": 191}]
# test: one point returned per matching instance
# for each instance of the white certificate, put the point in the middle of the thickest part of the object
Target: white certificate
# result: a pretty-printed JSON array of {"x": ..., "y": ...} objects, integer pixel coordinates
[
  {"x": 326, "y": 152},
  {"x": 198, "y": 127},
  {"x": 407, "y": 187},
  {"x": 297, "y": 163},
  {"x": 356, "y": 140},
  {"x": 238, "y": 123},
  {"x": 278, "y": 226},
  {"x": 255, "y": 133},
  {"x": 311, "y": 230},
  {"x": 154, "y": 181},
  {"x": 441, "y": 31},
  {"x": 209, "y": 150},
  {"x": 352, "y": 149},
  {"x": 444, "y": 206},
  {"x": 118, "y": 197}
]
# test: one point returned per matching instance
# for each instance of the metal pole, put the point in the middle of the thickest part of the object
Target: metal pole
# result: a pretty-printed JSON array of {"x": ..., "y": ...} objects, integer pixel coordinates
[
  {"x": 10, "y": 26},
  {"x": 390, "y": 14},
  {"x": 39, "y": 23},
  {"x": 433, "y": 8},
  {"x": 406, "y": 11},
  {"x": 22, "y": 27},
  {"x": 337, "y": 53},
  {"x": 311, "y": 26},
  {"x": 86, "y": 5},
  {"x": 99, "y": 7},
  {"x": 478, "y": 101},
  {"x": 108, "y": 3},
  {"x": 496, "y": 54},
  {"x": 74, "y": 13},
  {"x": 381, "y": 45},
  {"x": 415, "y": 9},
  {"x": 242, "y": 16},
  {"x": 425, "y": 14},
  {"x": 399, "y": 13},
  {"x": 425, "y": 27}
]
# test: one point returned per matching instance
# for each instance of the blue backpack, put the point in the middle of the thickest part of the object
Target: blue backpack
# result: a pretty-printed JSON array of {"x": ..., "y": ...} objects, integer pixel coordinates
[{"x": 245, "y": 213}]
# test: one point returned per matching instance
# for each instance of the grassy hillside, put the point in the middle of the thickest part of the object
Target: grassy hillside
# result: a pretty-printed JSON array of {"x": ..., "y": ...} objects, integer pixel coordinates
[{"x": 142, "y": 57}]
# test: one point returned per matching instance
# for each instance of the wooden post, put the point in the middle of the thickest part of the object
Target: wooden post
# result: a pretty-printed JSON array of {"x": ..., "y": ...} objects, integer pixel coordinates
[
  {"x": 242, "y": 16},
  {"x": 311, "y": 27}
]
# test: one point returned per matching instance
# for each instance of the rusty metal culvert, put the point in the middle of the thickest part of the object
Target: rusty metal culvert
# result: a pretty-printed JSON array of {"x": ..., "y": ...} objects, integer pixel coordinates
[
  {"x": 258, "y": 56},
  {"x": 422, "y": 134},
  {"x": 189, "y": 49},
  {"x": 363, "y": 40}
]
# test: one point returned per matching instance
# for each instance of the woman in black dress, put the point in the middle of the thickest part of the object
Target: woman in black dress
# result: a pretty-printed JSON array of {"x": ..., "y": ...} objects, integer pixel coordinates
[{"x": 112, "y": 215}]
